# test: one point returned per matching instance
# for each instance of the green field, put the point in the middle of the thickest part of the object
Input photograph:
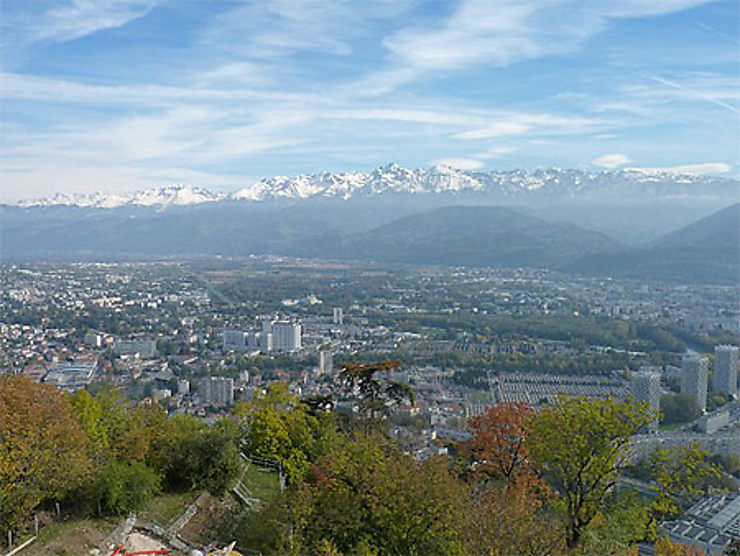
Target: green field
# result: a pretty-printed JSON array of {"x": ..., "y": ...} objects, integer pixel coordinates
[{"x": 262, "y": 484}]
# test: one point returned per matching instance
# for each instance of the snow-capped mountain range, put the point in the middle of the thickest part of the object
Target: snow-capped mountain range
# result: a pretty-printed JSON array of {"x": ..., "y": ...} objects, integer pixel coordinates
[{"x": 394, "y": 179}]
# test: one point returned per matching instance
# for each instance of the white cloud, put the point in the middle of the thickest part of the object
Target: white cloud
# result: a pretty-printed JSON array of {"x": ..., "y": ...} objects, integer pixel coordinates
[
  {"x": 81, "y": 17},
  {"x": 459, "y": 163},
  {"x": 273, "y": 28},
  {"x": 25, "y": 24},
  {"x": 523, "y": 123},
  {"x": 502, "y": 32},
  {"x": 495, "y": 130},
  {"x": 611, "y": 161},
  {"x": 695, "y": 169},
  {"x": 496, "y": 152}
]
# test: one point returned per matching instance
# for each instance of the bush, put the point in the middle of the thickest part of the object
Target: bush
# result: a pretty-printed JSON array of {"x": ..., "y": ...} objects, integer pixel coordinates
[
  {"x": 203, "y": 458},
  {"x": 123, "y": 488}
]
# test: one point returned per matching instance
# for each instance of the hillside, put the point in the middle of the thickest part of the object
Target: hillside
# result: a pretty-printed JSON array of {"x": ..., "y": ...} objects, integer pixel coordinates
[
  {"x": 707, "y": 251},
  {"x": 475, "y": 236},
  {"x": 720, "y": 228}
]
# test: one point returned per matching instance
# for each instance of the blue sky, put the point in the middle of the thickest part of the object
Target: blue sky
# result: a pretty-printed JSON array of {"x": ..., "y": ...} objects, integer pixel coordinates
[{"x": 105, "y": 95}]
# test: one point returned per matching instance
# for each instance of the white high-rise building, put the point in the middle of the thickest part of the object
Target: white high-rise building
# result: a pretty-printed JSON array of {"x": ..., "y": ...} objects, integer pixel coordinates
[
  {"x": 183, "y": 387},
  {"x": 265, "y": 341},
  {"x": 694, "y": 374},
  {"x": 217, "y": 390},
  {"x": 724, "y": 376},
  {"x": 326, "y": 361},
  {"x": 338, "y": 316},
  {"x": 286, "y": 336},
  {"x": 645, "y": 386}
]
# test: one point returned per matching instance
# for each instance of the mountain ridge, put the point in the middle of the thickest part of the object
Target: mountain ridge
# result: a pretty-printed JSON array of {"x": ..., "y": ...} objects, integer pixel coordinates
[{"x": 394, "y": 179}]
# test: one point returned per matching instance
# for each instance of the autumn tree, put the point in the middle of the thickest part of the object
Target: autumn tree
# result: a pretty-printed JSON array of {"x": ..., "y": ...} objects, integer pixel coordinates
[
  {"x": 507, "y": 515},
  {"x": 43, "y": 449},
  {"x": 504, "y": 521},
  {"x": 580, "y": 445},
  {"x": 498, "y": 445},
  {"x": 666, "y": 547}
]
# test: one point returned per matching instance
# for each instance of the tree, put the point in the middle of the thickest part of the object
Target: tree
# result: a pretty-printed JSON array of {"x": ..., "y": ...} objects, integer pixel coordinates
[
  {"x": 580, "y": 444},
  {"x": 89, "y": 413},
  {"x": 498, "y": 444},
  {"x": 374, "y": 393},
  {"x": 679, "y": 408},
  {"x": 508, "y": 521},
  {"x": 43, "y": 449},
  {"x": 365, "y": 497},
  {"x": 666, "y": 547},
  {"x": 681, "y": 473},
  {"x": 123, "y": 487},
  {"x": 196, "y": 456},
  {"x": 276, "y": 425},
  {"x": 617, "y": 529}
]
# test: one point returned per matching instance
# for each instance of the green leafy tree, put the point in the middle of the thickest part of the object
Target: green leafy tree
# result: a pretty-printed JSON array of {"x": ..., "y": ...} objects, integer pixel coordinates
[
  {"x": 122, "y": 488},
  {"x": 195, "y": 456},
  {"x": 679, "y": 408},
  {"x": 366, "y": 498},
  {"x": 618, "y": 528},
  {"x": 580, "y": 445},
  {"x": 89, "y": 412},
  {"x": 277, "y": 425},
  {"x": 681, "y": 473}
]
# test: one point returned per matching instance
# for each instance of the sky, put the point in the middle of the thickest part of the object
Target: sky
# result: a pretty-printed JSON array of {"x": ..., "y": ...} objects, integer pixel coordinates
[{"x": 116, "y": 95}]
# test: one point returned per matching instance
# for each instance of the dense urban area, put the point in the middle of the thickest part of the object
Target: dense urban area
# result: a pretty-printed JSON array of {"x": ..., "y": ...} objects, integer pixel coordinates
[{"x": 225, "y": 350}]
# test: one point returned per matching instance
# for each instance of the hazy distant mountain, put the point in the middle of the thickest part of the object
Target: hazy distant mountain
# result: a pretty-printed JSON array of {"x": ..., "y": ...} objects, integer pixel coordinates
[
  {"x": 707, "y": 251},
  {"x": 721, "y": 229},
  {"x": 474, "y": 236},
  {"x": 377, "y": 228},
  {"x": 553, "y": 183},
  {"x": 161, "y": 197}
]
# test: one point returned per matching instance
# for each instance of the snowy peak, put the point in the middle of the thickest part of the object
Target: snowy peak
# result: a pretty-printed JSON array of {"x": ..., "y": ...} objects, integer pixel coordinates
[
  {"x": 159, "y": 197},
  {"x": 551, "y": 183}
]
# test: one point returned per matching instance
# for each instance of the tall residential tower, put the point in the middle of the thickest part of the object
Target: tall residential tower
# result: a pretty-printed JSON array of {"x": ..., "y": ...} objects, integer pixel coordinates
[
  {"x": 694, "y": 374},
  {"x": 724, "y": 376},
  {"x": 645, "y": 386}
]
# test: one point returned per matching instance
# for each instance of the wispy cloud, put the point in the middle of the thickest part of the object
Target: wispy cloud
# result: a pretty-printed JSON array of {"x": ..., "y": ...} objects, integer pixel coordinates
[
  {"x": 51, "y": 21},
  {"x": 711, "y": 97},
  {"x": 611, "y": 161},
  {"x": 255, "y": 87},
  {"x": 502, "y": 32},
  {"x": 460, "y": 163},
  {"x": 278, "y": 27},
  {"x": 532, "y": 124}
]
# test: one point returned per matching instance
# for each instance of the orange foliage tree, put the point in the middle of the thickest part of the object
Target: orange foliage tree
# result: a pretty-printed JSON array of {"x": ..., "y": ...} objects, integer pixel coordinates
[
  {"x": 43, "y": 449},
  {"x": 498, "y": 447}
]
